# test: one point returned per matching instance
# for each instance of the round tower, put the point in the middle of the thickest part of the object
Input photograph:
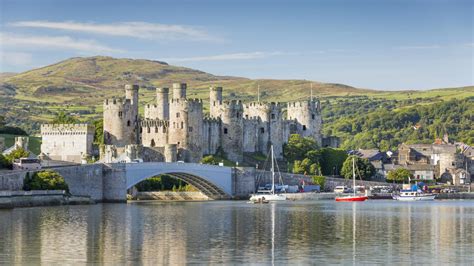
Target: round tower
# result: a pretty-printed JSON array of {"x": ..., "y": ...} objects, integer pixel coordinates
[
  {"x": 121, "y": 119},
  {"x": 231, "y": 115},
  {"x": 185, "y": 128},
  {"x": 179, "y": 90},
  {"x": 215, "y": 99},
  {"x": 307, "y": 117},
  {"x": 170, "y": 153},
  {"x": 162, "y": 101}
]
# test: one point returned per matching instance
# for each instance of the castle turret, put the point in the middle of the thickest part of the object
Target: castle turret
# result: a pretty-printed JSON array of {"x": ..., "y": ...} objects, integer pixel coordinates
[
  {"x": 231, "y": 115},
  {"x": 306, "y": 118},
  {"x": 186, "y": 126},
  {"x": 121, "y": 119},
  {"x": 179, "y": 90},
  {"x": 215, "y": 99},
  {"x": 163, "y": 111}
]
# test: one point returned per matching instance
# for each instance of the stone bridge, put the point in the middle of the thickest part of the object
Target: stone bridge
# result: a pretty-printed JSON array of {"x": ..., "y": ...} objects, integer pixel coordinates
[{"x": 214, "y": 181}]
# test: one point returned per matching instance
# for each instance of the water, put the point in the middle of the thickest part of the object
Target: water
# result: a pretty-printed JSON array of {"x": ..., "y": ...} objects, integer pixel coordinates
[{"x": 228, "y": 232}]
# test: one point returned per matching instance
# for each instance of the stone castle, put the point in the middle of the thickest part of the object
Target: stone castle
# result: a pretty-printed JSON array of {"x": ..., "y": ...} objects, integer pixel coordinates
[{"x": 176, "y": 128}]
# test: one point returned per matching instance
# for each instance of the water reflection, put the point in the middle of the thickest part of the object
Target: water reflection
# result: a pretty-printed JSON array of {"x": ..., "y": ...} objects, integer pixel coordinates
[{"x": 236, "y": 232}]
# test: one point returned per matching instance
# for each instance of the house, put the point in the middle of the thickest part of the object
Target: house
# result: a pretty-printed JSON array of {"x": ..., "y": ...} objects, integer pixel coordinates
[{"x": 375, "y": 157}]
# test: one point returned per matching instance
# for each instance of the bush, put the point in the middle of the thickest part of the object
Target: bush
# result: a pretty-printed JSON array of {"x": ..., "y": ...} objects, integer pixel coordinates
[
  {"x": 16, "y": 154},
  {"x": 210, "y": 159},
  {"x": 12, "y": 131},
  {"x": 4, "y": 163},
  {"x": 45, "y": 180},
  {"x": 319, "y": 180}
]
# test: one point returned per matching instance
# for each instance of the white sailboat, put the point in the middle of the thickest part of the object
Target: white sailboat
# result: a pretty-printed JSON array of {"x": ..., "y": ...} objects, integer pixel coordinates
[{"x": 272, "y": 195}]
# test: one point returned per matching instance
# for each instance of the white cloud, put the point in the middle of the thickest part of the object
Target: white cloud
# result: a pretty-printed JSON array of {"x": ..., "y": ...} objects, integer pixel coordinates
[
  {"x": 54, "y": 42},
  {"x": 141, "y": 30},
  {"x": 226, "y": 57},
  {"x": 16, "y": 59}
]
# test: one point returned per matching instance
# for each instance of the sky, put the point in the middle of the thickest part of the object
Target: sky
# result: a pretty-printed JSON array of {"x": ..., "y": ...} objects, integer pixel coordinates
[{"x": 386, "y": 45}]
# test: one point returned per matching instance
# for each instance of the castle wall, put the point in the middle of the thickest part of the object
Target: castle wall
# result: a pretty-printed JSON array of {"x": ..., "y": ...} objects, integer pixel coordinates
[
  {"x": 231, "y": 115},
  {"x": 211, "y": 137},
  {"x": 154, "y": 133},
  {"x": 67, "y": 142}
]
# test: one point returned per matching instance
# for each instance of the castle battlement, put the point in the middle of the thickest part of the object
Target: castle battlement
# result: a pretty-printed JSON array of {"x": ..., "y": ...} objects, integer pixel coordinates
[
  {"x": 307, "y": 103},
  {"x": 67, "y": 129},
  {"x": 208, "y": 119},
  {"x": 154, "y": 123}
]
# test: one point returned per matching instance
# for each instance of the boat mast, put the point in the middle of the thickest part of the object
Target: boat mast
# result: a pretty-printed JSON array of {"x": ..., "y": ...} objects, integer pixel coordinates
[
  {"x": 353, "y": 177},
  {"x": 273, "y": 172}
]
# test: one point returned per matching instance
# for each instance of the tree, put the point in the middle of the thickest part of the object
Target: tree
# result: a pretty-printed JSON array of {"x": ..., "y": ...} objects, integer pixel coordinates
[
  {"x": 99, "y": 131},
  {"x": 319, "y": 180},
  {"x": 210, "y": 159},
  {"x": 16, "y": 154},
  {"x": 363, "y": 168},
  {"x": 399, "y": 175},
  {"x": 298, "y": 146},
  {"x": 63, "y": 118},
  {"x": 332, "y": 160},
  {"x": 45, "y": 180},
  {"x": 4, "y": 163}
]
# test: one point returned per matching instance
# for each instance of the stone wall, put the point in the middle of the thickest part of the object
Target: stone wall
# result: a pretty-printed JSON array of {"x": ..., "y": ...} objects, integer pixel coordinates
[
  {"x": 67, "y": 142},
  {"x": 84, "y": 180},
  {"x": 12, "y": 180}
]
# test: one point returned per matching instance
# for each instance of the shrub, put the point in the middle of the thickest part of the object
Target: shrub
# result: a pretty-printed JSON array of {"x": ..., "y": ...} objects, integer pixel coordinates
[
  {"x": 210, "y": 159},
  {"x": 45, "y": 180},
  {"x": 16, "y": 154},
  {"x": 399, "y": 175},
  {"x": 319, "y": 180},
  {"x": 4, "y": 163}
]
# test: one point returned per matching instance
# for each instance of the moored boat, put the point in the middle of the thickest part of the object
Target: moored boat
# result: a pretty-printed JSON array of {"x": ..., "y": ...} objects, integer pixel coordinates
[
  {"x": 413, "y": 195},
  {"x": 354, "y": 196}
]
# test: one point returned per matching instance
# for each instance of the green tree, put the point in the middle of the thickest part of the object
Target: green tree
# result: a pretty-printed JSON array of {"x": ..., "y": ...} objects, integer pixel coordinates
[
  {"x": 99, "y": 131},
  {"x": 210, "y": 159},
  {"x": 319, "y": 180},
  {"x": 363, "y": 168},
  {"x": 45, "y": 180},
  {"x": 298, "y": 146},
  {"x": 16, "y": 154},
  {"x": 4, "y": 163},
  {"x": 63, "y": 118},
  {"x": 399, "y": 175},
  {"x": 302, "y": 167},
  {"x": 332, "y": 160}
]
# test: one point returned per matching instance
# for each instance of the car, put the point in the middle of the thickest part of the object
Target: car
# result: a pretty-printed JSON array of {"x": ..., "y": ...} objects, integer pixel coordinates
[{"x": 341, "y": 189}]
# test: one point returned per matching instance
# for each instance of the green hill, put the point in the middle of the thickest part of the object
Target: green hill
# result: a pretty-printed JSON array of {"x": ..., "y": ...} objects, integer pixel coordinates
[{"x": 79, "y": 85}]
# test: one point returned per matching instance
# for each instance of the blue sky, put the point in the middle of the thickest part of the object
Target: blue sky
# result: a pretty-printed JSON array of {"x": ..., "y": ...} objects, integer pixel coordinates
[{"x": 392, "y": 44}]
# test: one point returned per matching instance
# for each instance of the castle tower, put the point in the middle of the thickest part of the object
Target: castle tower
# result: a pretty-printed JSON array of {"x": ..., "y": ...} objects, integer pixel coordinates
[
  {"x": 215, "y": 99},
  {"x": 306, "y": 118},
  {"x": 163, "y": 111},
  {"x": 231, "y": 115},
  {"x": 179, "y": 90},
  {"x": 121, "y": 119},
  {"x": 185, "y": 128}
]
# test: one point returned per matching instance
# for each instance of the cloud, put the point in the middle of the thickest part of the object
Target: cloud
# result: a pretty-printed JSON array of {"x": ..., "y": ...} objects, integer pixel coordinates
[
  {"x": 227, "y": 57},
  {"x": 142, "y": 30},
  {"x": 16, "y": 59},
  {"x": 54, "y": 42}
]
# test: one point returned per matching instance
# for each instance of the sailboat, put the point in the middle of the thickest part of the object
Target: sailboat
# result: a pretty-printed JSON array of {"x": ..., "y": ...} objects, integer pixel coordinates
[
  {"x": 354, "y": 196},
  {"x": 272, "y": 195}
]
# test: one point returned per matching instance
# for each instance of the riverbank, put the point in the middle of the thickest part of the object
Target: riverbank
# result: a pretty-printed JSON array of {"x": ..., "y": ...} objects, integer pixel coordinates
[
  {"x": 171, "y": 196},
  {"x": 36, "y": 198}
]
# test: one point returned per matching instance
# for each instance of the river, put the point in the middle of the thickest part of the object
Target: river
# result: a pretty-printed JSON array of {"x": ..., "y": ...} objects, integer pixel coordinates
[{"x": 231, "y": 232}]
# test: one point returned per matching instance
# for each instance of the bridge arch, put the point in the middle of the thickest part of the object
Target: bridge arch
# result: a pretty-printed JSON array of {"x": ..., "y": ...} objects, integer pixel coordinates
[{"x": 213, "y": 181}]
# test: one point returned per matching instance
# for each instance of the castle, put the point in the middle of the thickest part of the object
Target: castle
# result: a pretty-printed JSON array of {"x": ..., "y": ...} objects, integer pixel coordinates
[{"x": 176, "y": 128}]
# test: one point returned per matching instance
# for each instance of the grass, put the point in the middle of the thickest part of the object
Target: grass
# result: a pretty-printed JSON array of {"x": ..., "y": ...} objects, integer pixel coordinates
[{"x": 34, "y": 144}]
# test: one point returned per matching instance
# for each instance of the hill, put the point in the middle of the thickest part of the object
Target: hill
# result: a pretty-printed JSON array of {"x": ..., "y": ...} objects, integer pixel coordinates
[{"x": 79, "y": 85}]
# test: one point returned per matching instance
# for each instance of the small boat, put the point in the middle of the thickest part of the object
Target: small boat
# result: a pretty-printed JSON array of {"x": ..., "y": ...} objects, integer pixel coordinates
[
  {"x": 259, "y": 201},
  {"x": 271, "y": 195},
  {"x": 413, "y": 195},
  {"x": 354, "y": 196}
]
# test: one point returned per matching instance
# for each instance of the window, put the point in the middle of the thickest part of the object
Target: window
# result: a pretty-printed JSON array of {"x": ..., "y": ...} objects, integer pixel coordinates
[
  {"x": 182, "y": 125},
  {"x": 141, "y": 129},
  {"x": 156, "y": 129},
  {"x": 120, "y": 114},
  {"x": 247, "y": 117},
  {"x": 225, "y": 130},
  {"x": 177, "y": 114},
  {"x": 273, "y": 116},
  {"x": 148, "y": 129},
  {"x": 190, "y": 129},
  {"x": 313, "y": 116},
  {"x": 152, "y": 144},
  {"x": 128, "y": 123},
  {"x": 262, "y": 130},
  {"x": 304, "y": 127}
]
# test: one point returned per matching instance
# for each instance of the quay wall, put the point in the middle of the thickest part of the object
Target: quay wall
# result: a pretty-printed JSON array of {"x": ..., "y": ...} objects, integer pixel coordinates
[
  {"x": 171, "y": 196},
  {"x": 15, "y": 199}
]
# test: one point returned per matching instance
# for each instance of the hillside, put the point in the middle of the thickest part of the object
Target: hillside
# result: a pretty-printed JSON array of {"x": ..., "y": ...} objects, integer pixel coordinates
[{"x": 79, "y": 85}]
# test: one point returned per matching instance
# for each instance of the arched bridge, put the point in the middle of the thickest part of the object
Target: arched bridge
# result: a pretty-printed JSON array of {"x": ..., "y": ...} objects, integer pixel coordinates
[{"x": 214, "y": 181}]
